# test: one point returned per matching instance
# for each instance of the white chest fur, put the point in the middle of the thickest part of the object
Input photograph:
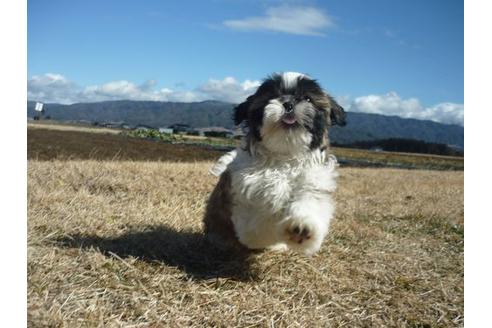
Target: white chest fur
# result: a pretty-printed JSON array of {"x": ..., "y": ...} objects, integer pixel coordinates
[
  {"x": 273, "y": 184},
  {"x": 272, "y": 198}
]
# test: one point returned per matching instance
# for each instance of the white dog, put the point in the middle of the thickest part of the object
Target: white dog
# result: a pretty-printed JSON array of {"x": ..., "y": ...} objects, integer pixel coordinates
[{"x": 275, "y": 191}]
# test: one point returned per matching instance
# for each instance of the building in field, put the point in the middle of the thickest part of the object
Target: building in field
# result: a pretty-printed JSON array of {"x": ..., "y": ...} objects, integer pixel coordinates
[
  {"x": 215, "y": 131},
  {"x": 143, "y": 127},
  {"x": 180, "y": 128},
  {"x": 166, "y": 130}
]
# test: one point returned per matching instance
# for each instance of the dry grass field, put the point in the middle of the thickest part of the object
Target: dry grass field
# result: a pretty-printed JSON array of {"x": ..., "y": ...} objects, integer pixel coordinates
[{"x": 115, "y": 241}]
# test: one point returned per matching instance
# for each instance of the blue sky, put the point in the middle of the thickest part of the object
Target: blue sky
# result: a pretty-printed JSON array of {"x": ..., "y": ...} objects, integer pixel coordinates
[{"x": 392, "y": 57}]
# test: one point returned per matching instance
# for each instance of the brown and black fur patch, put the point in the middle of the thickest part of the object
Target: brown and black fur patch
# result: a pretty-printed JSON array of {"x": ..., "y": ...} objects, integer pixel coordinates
[{"x": 217, "y": 222}]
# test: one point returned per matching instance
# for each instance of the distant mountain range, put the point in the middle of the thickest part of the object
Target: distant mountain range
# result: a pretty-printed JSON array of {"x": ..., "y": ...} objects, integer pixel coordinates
[{"x": 360, "y": 126}]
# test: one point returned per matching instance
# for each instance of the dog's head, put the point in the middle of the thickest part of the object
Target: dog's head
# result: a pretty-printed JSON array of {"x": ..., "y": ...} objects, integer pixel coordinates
[{"x": 289, "y": 113}]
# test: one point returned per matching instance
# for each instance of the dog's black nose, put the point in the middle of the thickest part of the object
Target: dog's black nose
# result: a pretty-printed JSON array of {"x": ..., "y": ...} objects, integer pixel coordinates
[{"x": 289, "y": 107}]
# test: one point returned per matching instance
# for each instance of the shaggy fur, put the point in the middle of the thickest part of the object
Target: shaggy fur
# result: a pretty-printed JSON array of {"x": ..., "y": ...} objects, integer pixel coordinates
[{"x": 274, "y": 191}]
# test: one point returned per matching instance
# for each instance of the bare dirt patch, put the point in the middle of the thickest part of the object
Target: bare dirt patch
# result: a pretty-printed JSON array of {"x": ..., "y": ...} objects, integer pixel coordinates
[{"x": 45, "y": 144}]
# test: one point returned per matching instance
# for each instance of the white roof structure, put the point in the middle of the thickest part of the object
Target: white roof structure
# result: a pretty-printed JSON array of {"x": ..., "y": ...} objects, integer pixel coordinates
[{"x": 39, "y": 107}]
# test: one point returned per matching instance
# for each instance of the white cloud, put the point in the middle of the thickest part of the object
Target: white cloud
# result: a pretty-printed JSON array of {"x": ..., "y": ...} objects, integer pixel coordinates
[
  {"x": 55, "y": 88},
  {"x": 392, "y": 104},
  {"x": 116, "y": 90},
  {"x": 446, "y": 113},
  {"x": 229, "y": 89},
  {"x": 287, "y": 19},
  {"x": 51, "y": 88}
]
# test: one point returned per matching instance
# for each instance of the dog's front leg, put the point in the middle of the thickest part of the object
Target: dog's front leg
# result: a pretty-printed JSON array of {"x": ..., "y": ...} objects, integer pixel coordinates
[
  {"x": 253, "y": 229},
  {"x": 306, "y": 222}
]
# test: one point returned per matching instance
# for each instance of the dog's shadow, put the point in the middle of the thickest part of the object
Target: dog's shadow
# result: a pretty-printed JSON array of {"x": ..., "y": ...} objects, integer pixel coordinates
[{"x": 190, "y": 252}]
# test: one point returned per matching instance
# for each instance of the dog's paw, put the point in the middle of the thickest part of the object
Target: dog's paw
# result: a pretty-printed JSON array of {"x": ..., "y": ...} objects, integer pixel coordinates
[
  {"x": 298, "y": 233},
  {"x": 303, "y": 235}
]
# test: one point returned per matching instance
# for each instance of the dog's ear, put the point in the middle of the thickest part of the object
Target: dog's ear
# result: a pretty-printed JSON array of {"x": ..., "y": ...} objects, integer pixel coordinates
[
  {"x": 337, "y": 114},
  {"x": 241, "y": 111}
]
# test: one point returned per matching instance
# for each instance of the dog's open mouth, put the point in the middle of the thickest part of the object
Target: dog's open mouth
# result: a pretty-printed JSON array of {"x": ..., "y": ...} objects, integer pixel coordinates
[{"x": 289, "y": 119}]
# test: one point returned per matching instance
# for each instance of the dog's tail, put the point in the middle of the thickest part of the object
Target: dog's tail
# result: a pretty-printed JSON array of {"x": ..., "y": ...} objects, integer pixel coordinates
[{"x": 221, "y": 165}]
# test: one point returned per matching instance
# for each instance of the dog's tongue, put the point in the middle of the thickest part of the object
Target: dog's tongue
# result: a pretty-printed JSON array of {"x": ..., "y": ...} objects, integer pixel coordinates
[{"x": 289, "y": 119}]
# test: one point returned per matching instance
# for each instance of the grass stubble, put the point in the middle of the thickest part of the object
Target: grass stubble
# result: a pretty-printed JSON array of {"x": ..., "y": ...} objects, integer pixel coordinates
[{"x": 118, "y": 243}]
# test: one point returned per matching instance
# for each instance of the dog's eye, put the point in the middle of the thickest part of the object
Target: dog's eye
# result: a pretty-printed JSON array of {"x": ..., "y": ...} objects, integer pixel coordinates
[{"x": 307, "y": 99}]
